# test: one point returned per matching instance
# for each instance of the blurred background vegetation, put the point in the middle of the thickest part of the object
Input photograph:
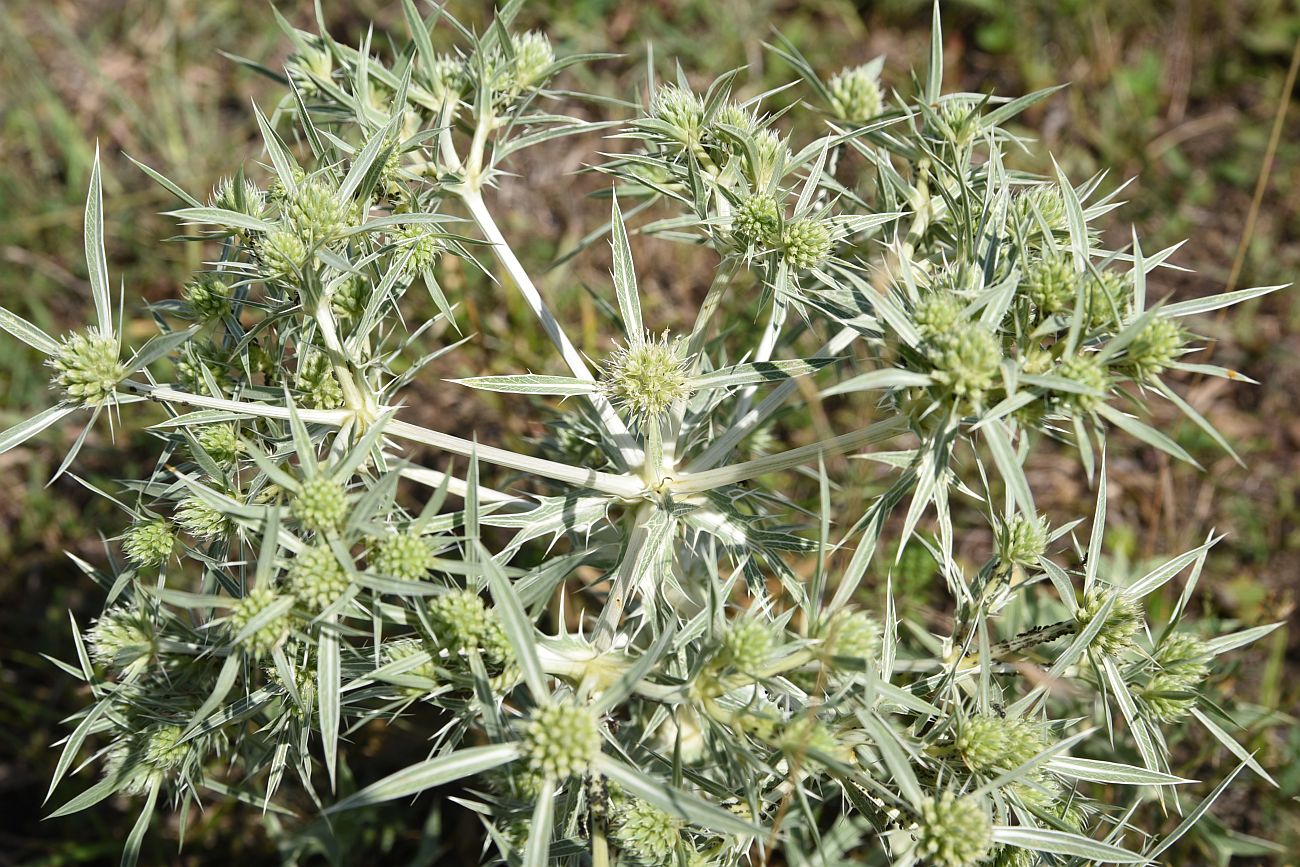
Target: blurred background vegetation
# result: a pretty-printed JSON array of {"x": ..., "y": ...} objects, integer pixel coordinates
[{"x": 1181, "y": 94}]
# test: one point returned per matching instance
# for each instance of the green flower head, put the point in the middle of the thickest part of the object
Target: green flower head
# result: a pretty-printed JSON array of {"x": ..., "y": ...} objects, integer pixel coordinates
[
  {"x": 807, "y": 243},
  {"x": 88, "y": 368},
  {"x": 148, "y": 542},
  {"x": 646, "y": 377},
  {"x": 1089, "y": 372},
  {"x": 855, "y": 94},
  {"x": 270, "y": 631},
  {"x": 757, "y": 220},
  {"x": 561, "y": 740},
  {"x": 403, "y": 555},
  {"x": 953, "y": 831},
  {"x": 208, "y": 297},
  {"x": 318, "y": 213},
  {"x": 121, "y": 639},
  {"x": 647, "y": 833},
  {"x": 1022, "y": 540},
  {"x": 321, "y": 504},
  {"x": 1155, "y": 347},
  {"x": 747, "y": 645},
  {"x": 1049, "y": 283},
  {"x": 1122, "y": 623},
  {"x": 317, "y": 578},
  {"x": 966, "y": 362}
]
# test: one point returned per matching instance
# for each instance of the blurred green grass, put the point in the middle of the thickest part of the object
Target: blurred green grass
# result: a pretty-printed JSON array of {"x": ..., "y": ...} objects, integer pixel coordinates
[{"x": 1180, "y": 94}]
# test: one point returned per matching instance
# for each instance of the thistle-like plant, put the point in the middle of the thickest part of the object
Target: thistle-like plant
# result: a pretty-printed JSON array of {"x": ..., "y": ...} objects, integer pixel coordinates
[{"x": 690, "y": 667}]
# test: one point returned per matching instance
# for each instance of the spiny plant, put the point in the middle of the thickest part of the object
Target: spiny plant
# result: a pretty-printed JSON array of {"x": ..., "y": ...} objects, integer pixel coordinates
[{"x": 640, "y": 647}]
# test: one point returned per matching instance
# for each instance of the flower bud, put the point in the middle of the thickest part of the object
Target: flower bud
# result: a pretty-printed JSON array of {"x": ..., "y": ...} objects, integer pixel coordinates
[
  {"x": 221, "y": 441},
  {"x": 1169, "y": 697},
  {"x": 121, "y": 639},
  {"x": 1184, "y": 656},
  {"x": 682, "y": 112},
  {"x": 1087, "y": 371},
  {"x": 1155, "y": 347},
  {"x": 854, "y": 634},
  {"x": 463, "y": 622},
  {"x": 318, "y": 213},
  {"x": 938, "y": 314},
  {"x": 200, "y": 520},
  {"x": 966, "y": 361},
  {"x": 316, "y": 380},
  {"x": 281, "y": 252},
  {"x": 747, "y": 645}
]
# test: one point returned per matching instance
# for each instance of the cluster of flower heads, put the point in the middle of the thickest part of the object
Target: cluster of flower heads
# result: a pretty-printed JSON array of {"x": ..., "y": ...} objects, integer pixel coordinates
[{"x": 671, "y": 659}]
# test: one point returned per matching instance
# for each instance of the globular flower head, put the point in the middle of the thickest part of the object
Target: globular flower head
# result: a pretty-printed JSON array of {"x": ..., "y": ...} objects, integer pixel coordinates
[
  {"x": 807, "y": 738},
  {"x": 321, "y": 504},
  {"x": 953, "y": 831},
  {"x": 462, "y": 622},
  {"x": 747, "y": 645},
  {"x": 243, "y": 198},
  {"x": 208, "y": 297},
  {"x": 1107, "y": 299},
  {"x": 88, "y": 368},
  {"x": 646, "y": 377},
  {"x": 966, "y": 361},
  {"x": 1049, "y": 283},
  {"x": 1022, "y": 540},
  {"x": 404, "y": 555},
  {"x": 1169, "y": 697},
  {"x": 533, "y": 57},
  {"x": 853, "y": 634},
  {"x": 163, "y": 748},
  {"x": 281, "y": 252},
  {"x": 316, "y": 381},
  {"x": 1042, "y": 201},
  {"x": 855, "y": 94},
  {"x": 270, "y": 633},
  {"x": 312, "y": 63},
  {"x": 122, "y": 639},
  {"x": 768, "y": 155},
  {"x": 446, "y": 78},
  {"x": 1122, "y": 622},
  {"x": 348, "y": 299},
  {"x": 561, "y": 740},
  {"x": 988, "y": 742},
  {"x": 938, "y": 315},
  {"x": 1155, "y": 347},
  {"x": 424, "y": 245},
  {"x": 201, "y": 520},
  {"x": 1183, "y": 655},
  {"x": 318, "y": 213},
  {"x": 982, "y": 742},
  {"x": 1014, "y": 856},
  {"x": 757, "y": 220},
  {"x": 317, "y": 578},
  {"x": 425, "y": 670},
  {"x": 221, "y": 441},
  {"x": 681, "y": 112},
  {"x": 807, "y": 243},
  {"x": 647, "y": 833},
  {"x": 1089, "y": 372},
  {"x": 148, "y": 542}
]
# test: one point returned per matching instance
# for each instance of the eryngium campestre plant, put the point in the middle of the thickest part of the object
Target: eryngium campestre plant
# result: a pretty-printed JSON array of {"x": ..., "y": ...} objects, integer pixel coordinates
[{"x": 689, "y": 667}]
